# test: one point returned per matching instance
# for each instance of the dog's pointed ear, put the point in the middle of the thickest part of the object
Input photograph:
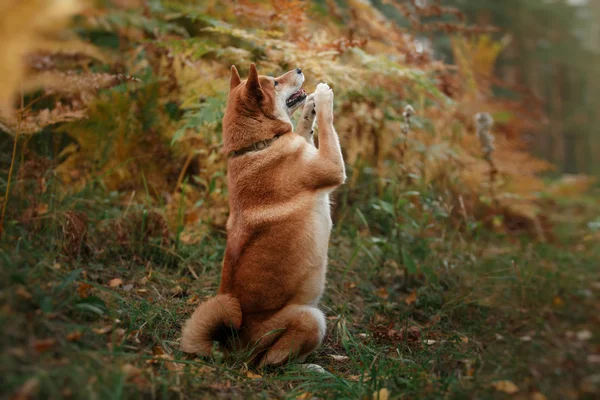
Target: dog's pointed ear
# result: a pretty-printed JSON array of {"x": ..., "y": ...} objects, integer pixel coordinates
[
  {"x": 235, "y": 78},
  {"x": 253, "y": 87}
]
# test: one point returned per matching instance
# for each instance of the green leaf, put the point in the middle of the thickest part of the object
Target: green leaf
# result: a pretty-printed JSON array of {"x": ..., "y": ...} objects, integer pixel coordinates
[
  {"x": 89, "y": 308},
  {"x": 70, "y": 278},
  {"x": 408, "y": 262}
]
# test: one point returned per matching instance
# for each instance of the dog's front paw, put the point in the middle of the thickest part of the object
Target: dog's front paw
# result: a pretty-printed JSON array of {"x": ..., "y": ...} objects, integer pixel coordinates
[
  {"x": 309, "y": 112},
  {"x": 324, "y": 100}
]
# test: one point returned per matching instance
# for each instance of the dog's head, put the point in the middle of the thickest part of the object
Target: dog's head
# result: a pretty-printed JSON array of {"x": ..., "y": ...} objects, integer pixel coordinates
[{"x": 260, "y": 107}]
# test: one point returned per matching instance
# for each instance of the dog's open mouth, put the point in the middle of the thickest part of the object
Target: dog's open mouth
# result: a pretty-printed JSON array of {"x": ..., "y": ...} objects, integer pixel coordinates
[{"x": 296, "y": 98}]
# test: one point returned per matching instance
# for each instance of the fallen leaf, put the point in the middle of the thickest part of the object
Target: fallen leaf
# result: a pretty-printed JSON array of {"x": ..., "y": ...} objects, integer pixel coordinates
[
  {"x": 28, "y": 390},
  {"x": 304, "y": 396},
  {"x": 83, "y": 290},
  {"x": 103, "y": 330},
  {"x": 160, "y": 353},
  {"x": 584, "y": 335},
  {"x": 43, "y": 345},
  {"x": 355, "y": 378},
  {"x": 590, "y": 384},
  {"x": 412, "y": 297},
  {"x": 525, "y": 339},
  {"x": 74, "y": 336},
  {"x": 538, "y": 396},
  {"x": 193, "y": 299},
  {"x": 593, "y": 358},
  {"x": 558, "y": 301},
  {"x": 119, "y": 335},
  {"x": 505, "y": 386},
  {"x": 252, "y": 375},
  {"x": 339, "y": 358},
  {"x": 134, "y": 374},
  {"x": 134, "y": 336},
  {"x": 176, "y": 290},
  {"x": 382, "y": 394},
  {"x": 23, "y": 293},
  {"x": 130, "y": 370},
  {"x": 383, "y": 293},
  {"x": 18, "y": 352},
  {"x": 41, "y": 208},
  {"x": 56, "y": 266},
  {"x": 116, "y": 282},
  {"x": 429, "y": 342}
]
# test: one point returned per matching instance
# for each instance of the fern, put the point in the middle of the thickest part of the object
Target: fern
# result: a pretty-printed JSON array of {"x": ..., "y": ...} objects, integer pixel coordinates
[{"x": 206, "y": 114}]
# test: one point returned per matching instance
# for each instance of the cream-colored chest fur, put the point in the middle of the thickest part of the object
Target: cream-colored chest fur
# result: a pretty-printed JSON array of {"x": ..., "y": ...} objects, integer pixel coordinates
[{"x": 318, "y": 232}]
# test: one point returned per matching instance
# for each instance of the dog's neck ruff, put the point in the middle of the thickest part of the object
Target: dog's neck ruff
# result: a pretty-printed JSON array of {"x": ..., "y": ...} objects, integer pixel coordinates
[{"x": 257, "y": 146}]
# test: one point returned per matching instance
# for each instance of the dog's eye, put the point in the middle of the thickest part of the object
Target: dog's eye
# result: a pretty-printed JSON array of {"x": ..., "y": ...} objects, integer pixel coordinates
[{"x": 275, "y": 83}]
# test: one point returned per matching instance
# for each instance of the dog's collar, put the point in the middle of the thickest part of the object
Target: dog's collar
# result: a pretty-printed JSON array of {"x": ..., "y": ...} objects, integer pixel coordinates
[{"x": 260, "y": 145}]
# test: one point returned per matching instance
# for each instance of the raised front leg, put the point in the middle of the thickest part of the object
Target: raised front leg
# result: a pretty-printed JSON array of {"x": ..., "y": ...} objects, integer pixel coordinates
[
  {"x": 307, "y": 120},
  {"x": 323, "y": 167},
  {"x": 330, "y": 159}
]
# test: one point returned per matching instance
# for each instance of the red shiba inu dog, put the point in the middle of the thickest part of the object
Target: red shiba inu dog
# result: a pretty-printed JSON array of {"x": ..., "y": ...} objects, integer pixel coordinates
[{"x": 278, "y": 230}]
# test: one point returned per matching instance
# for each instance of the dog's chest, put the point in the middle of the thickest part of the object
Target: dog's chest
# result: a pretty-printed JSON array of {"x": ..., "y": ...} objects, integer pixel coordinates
[{"x": 321, "y": 225}]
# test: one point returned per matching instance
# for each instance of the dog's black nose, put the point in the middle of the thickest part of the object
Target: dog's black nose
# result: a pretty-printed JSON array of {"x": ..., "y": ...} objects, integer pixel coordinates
[{"x": 298, "y": 70}]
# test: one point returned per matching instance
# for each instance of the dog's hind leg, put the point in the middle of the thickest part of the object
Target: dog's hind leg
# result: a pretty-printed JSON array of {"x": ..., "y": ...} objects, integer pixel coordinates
[
  {"x": 301, "y": 331},
  {"x": 306, "y": 124}
]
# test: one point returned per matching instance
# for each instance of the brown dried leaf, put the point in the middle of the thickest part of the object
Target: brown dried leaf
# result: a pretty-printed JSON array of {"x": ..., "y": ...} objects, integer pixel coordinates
[
  {"x": 382, "y": 394},
  {"x": 412, "y": 298},
  {"x": 103, "y": 330},
  {"x": 41, "y": 208},
  {"x": 194, "y": 299},
  {"x": 130, "y": 370},
  {"x": 28, "y": 390},
  {"x": 23, "y": 293},
  {"x": 84, "y": 289},
  {"x": 116, "y": 282},
  {"x": 160, "y": 353},
  {"x": 177, "y": 290},
  {"x": 507, "y": 387},
  {"x": 252, "y": 375},
  {"x": 43, "y": 345},
  {"x": 383, "y": 293},
  {"x": 538, "y": 396},
  {"x": 32, "y": 122},
  {"x": 74, "y": 336}
]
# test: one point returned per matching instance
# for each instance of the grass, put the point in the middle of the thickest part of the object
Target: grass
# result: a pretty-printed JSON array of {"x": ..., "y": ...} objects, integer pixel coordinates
[{"x": 414, "y": 312}]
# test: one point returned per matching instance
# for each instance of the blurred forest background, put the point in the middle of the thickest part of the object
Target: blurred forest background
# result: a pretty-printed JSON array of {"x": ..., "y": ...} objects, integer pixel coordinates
[
  {"x": 468, "y": 229},
  {"x": 553, "y": 54}
]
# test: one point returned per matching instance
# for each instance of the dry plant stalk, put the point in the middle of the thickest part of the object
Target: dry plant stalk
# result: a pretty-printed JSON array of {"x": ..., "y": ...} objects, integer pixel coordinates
[
  {"x": 11, "y": 168},
  {"x": 408, "y": 113},
  {"x": 483, "y": 124}
]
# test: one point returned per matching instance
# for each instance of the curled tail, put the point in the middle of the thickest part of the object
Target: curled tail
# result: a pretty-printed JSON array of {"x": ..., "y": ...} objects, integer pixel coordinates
[{"x": 207, "y": 323}]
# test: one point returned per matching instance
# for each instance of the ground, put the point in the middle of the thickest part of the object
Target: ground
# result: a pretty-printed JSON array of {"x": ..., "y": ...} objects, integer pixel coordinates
[{"x": 476, "y": 315}]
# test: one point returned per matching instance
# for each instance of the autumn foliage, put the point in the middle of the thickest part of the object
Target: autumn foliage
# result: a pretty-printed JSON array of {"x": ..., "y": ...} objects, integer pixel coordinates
[{"x": 134, "y": 101}]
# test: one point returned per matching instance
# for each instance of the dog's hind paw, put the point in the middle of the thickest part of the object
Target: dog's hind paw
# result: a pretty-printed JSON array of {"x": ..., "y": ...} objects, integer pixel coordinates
[{"x": 314, "y": 368}]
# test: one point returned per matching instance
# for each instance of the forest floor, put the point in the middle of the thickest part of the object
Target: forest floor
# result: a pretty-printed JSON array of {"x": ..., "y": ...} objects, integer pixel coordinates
[{"x": 501, "y": 316}]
